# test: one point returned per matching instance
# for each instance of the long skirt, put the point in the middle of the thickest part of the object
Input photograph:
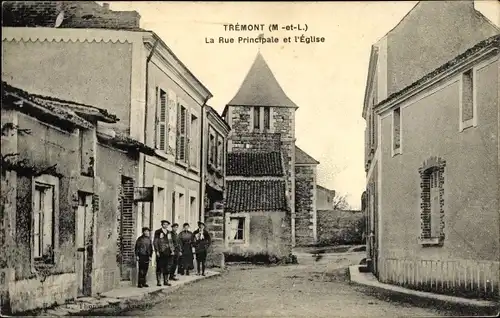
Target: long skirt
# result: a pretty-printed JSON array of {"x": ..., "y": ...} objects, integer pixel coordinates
[{"x": 186, "y": 260}]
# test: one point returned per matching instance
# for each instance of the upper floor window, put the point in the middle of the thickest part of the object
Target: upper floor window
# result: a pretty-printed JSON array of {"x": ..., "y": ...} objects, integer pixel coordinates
[
  {"x": 256, "y": 118},
  {"x": 162, "y": 120},
  {"x": 220, "y": 150},
  {"x": 182, "y": 129},
  {"x": 193, "y": 141},
  {"x": 396, "y": 131},
  {"x": 261, "y": 118},
  {"x": 267, "y": 118},
  {"x": 467, "y": 107},
  {"x": 211, "y": 149}
]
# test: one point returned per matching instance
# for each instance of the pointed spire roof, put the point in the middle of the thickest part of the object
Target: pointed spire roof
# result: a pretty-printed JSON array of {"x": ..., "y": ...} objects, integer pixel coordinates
[{"x": 260, "y": 88}]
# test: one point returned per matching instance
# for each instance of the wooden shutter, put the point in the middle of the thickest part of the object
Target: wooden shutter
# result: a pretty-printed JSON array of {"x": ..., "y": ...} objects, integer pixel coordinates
[
  {"x": 172, "y": 121},
  {"x": 189, "y": 144},
  {"x": 181, "y": 129},
  {"x": 267, "y": 122},
  {"x": 162, "y": 121}
]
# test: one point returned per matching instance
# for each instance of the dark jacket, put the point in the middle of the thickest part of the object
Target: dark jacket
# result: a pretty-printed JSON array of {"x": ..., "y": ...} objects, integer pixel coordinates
[
  {"x": 186, "y": 240},
  {"x": 143, "y": 246},
  {"x": 177, "y": 243},
  {"x": 161, "y": 242},
  {"x": 201, "y": 245}
]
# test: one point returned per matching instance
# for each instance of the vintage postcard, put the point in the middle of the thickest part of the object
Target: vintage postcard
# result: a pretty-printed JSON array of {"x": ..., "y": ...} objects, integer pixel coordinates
[{"x": 250, "y": 159}]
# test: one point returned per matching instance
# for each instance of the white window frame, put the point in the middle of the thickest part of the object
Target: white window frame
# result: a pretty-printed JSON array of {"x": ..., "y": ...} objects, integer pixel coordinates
[
  {"x": 399, "y": 150},
  {"x": 52, "y": 182},
  {"x": 246, "y": 232},
  {"x": 473, "y": 121}
]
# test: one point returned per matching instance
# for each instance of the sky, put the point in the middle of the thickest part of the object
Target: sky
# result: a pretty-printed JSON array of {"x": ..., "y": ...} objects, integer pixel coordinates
[{"x": 326, "y": 80}]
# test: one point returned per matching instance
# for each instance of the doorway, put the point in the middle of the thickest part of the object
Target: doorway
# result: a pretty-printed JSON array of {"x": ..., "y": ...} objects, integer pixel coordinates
[{"x": 83, "y": 241}]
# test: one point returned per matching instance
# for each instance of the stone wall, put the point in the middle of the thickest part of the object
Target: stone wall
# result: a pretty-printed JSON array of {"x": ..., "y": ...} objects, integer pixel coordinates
[
  {"x": 304, "y": 204},
  {"x": 214, "y": 222}
]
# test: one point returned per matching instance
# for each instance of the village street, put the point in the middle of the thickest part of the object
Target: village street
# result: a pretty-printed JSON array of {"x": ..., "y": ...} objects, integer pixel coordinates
[{"x": 310, "y": 289}]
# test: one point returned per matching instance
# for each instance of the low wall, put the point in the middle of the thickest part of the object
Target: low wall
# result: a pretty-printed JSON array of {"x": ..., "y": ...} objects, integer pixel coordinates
[
  {"x": 29, "y": 294},
  {"x": 460, "y": 277}
]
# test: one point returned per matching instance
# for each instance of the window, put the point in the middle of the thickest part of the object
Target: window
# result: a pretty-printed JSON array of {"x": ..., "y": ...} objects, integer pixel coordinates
[
  {"x": 267, "y": 123},
  {"x": 432, "y": 201},
  {"x": 212, "y": 149},
  {"x": 467, "y": 107},
  {"x": 193, "y": 138},
  {"x": 396, "y": 131},
  {"x": 256, "y": 118},
  {"x": 181, "y": 138},
  {"x": 162, "y": 120},
  {"x": 43, "y": 222},
  {"x": 219, "y": 152},
  {"x": 237, "y": 229}
]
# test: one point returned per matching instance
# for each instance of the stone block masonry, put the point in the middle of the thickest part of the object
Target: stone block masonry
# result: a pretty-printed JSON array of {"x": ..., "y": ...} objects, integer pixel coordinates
[
  {"x": 214, "y": 222},
  {"x": 304, "y": 205}
]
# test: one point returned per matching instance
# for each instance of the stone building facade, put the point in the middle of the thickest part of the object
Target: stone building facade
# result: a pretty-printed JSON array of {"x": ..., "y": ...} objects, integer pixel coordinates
[
  {"x": 157, "y": 100},
  {"x": 59, "y": 199},
  {"x": 433, "y": 223},
  {"x": 305, "y": 198},
  {"x": 262, "y": 120}
]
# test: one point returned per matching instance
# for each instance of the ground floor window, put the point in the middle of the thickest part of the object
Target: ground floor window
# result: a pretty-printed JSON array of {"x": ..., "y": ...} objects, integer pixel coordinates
[
  {"x": 238, "y": 229},
  {"x": 45, "y": 195}
]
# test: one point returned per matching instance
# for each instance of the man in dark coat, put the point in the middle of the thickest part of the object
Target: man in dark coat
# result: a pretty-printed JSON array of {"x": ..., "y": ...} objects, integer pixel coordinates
[
  {"x": 164, "y": 249},
  {"x": 177, "y": 251},
  {"x": 201, "y": 243},
  {"x": 186, "y": 239},
  {"x": 143, "y": 253}
]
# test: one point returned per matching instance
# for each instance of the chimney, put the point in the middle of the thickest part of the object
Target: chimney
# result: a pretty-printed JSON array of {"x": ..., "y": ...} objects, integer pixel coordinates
[{"x": 105, "y": 5}]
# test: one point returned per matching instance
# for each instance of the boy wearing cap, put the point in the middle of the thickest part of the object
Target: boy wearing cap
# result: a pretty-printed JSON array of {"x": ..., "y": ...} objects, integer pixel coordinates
[
  {"x": 164, "y": 249},
  {"x": 201, "y": 244},
  {"x": 143, "y": 253},
  {"x": 177, "y": 251}
]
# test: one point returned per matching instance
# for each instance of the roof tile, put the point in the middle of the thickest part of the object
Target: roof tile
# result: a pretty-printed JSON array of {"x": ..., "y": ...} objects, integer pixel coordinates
[
  {"x": 254, "y": 164},
  {"x": 256, "y": 195}
]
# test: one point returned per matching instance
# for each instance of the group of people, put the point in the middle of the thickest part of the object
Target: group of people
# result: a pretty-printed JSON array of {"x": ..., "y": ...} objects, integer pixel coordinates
[{"x": 175, "y": 251}]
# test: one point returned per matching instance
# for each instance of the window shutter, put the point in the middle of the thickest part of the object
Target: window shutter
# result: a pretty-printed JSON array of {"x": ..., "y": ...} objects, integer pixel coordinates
[
  {"x": 172, "y": 122},
  {"x": 189, "y": 146},
  {"x": 162, "y": 122}
]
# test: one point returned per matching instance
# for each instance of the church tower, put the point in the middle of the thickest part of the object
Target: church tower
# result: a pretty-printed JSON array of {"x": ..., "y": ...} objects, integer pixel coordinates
[{"x": 262, "y": 119}]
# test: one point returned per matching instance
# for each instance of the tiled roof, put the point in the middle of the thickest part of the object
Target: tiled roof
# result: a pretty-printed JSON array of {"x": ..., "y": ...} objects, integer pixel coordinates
[
  {"x": 256, "y": 195},
  {"x": 491, "y": 42},
  {"x": 301, "y": 157},
  {"x": 254, "y": 164},
  {"x": 20, "y": 100},
  {"x": 51, "y": 102},
  {"x": 77, "y": 14},
  {"x": 260, "y": 88}
]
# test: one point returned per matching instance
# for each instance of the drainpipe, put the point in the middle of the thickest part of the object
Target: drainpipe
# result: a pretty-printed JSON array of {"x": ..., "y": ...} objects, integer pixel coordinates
[
  {"x": 202, "y": 168},
  {"x": 146, "y": 117}
]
